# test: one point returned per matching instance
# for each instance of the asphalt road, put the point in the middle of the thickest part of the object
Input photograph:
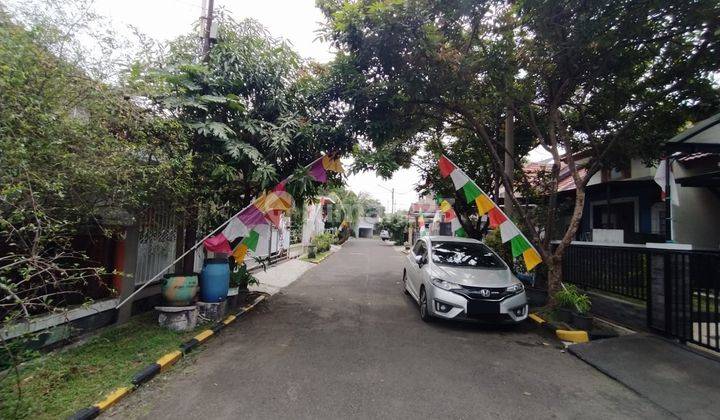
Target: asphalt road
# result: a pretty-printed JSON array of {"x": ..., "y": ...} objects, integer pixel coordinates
[{"x": 345, "y": 342}]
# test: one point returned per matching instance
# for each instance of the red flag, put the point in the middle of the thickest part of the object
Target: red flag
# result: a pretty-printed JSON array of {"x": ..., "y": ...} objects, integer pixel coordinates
[
  {"x": 218, "y": 243},
  {"x": 496, "y": 217},
  {"x": 446, "y": 167}
]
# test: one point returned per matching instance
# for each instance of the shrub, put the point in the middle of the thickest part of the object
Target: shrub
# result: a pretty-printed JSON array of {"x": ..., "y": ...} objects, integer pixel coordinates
[
  {"x": 571, "y": 298},
  {"x": 322, "y": 242}
]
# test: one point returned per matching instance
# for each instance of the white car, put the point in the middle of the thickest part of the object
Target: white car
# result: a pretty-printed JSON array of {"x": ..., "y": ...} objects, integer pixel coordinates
[
  {"x": 459, "y": 278},
  {"x": 384, "y": 235}
]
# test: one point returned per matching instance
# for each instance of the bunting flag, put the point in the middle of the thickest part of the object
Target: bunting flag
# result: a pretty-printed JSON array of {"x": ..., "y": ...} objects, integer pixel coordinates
[
  {"x": 445, "y": 207},
  {"x": 269, "y": 206},
  {"x": 217, "y": 243},
  {"x": 248, "y": 243},
  {"x": 457, "y": 228},
  {"x": 509, "y": 232},
  {"x": 318, "y": 170}
]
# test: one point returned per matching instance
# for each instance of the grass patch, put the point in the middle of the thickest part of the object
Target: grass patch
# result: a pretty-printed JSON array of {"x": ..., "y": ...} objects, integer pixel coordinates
[
  {"x": 318, "y": 257},
  {"x": 60, "y": 383}
]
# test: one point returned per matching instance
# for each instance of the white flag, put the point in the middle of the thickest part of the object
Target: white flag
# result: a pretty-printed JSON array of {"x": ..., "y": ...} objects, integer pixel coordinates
[{"x": 661, "y": 181}]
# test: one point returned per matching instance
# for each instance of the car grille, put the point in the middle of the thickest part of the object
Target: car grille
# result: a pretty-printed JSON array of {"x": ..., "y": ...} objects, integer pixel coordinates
[{"x": 471, "y": 292}]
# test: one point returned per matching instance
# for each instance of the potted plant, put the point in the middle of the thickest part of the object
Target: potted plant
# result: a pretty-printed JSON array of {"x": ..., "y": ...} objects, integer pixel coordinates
[
  {"x": 565, "y": 299},
  {"x": 580, "y": 317}
]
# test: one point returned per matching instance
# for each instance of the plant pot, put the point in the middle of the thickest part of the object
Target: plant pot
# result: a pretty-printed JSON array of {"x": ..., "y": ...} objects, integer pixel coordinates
[
  {"x": 582, "y": 321},
  {"x": 564, "y": 315},
  {"x": 311, "y": 251},
  {"x": 179, "y": 289}
]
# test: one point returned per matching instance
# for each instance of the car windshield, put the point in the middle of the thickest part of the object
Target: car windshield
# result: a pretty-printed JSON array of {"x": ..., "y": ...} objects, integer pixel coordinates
[{"x": 465, "y": 254}]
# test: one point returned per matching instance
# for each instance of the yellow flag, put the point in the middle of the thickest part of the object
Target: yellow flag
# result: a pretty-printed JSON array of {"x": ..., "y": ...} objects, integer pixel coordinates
[
  {"x": 240, "y": 253},
  {"x": 484, "y": 204},
  {"x": 331, "y": 164},
  {"x": 532, "y": 258},
  {"x": 445, "y": 206}
]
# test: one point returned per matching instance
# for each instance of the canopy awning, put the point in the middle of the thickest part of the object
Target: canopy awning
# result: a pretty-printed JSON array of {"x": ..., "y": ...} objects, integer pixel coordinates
[{"x": 701, "y": 137}]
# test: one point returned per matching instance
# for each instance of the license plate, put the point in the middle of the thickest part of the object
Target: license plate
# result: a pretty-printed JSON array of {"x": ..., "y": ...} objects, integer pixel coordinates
[{"x": 480, "y": 307}]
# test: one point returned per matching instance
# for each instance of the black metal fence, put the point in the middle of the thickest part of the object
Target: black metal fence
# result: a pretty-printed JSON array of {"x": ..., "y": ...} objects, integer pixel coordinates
[
  {"x": 691, "y": 286},
  {"x": 681, "y": 289},
  {"x": 619, "y": 270}
]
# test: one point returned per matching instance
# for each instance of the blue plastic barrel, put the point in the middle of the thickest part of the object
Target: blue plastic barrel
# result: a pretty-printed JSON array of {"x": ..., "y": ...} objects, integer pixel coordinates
[{"x": 214, "y": 280}]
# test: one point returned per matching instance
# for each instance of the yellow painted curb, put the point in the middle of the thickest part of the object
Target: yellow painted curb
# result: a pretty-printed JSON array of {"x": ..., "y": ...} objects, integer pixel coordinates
[
  {"x": 229, "y": 319},
  {"x": 573, "y": 336},
  {"x": 203, "y": 336},
  {"x": 536, "y": 318},
  {"x": 113, "y": 398},
  {"x": 169, "y": 359}
]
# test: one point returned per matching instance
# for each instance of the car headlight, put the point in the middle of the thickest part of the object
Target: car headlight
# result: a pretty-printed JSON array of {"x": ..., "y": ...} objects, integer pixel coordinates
[
  {"x": 445, "y": 285},
  {"x": 516, "y": 288}
]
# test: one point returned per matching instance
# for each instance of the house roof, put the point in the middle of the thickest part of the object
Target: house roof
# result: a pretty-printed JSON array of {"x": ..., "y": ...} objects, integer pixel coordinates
[
  {"x": 703, "y": 136},
  {"x": 423, "y": 207}
]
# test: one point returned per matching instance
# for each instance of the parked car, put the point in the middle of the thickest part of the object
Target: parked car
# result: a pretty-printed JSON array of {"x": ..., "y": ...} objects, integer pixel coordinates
[
  {"x": 463, "y": 279},
  {"x": 384, "y": 235}
]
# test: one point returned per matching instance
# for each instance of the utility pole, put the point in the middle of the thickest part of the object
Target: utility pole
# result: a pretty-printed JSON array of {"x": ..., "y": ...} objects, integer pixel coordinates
[
  {"x": 392, "y": 197},
  {"x": 207, "y": 19}
]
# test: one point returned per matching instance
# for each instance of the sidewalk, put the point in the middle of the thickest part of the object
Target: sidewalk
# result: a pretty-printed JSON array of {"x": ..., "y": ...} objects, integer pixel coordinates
[
  {"x": 675, "y": 378},
  {"x": 281, "y": 275}
]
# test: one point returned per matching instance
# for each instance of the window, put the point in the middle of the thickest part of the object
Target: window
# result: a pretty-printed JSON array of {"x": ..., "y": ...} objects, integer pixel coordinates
[{"x": 465, "y": 254}]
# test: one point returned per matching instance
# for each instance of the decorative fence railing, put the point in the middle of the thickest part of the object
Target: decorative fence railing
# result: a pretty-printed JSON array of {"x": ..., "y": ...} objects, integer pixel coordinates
[
  {"x": 681, "y": 288},
  {"x": 619, "y": 270}
]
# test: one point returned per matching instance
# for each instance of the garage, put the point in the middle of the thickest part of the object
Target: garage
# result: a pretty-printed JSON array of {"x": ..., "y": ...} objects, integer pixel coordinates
[{"x": 365, "y": 232}]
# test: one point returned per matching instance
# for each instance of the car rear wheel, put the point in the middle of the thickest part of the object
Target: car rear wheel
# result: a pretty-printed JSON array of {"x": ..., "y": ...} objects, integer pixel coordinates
[{"x": 424, "y": 311}]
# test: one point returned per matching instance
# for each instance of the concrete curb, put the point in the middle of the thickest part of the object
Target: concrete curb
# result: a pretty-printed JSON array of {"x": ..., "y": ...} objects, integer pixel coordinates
[
  {"x": 573, "y": 336},
  {"x": 161, "y": 365}
]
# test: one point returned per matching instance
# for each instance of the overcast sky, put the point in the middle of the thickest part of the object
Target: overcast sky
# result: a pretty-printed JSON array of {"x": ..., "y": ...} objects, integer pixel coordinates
[{"x": 295, "y": 20}]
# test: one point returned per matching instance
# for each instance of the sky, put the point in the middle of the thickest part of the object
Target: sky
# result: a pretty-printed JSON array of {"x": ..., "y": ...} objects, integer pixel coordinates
[{"x": 295, "y": 20}]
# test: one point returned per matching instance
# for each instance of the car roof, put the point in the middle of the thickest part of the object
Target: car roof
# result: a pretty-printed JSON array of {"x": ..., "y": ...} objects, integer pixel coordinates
[{"x": 442, "y": 238}]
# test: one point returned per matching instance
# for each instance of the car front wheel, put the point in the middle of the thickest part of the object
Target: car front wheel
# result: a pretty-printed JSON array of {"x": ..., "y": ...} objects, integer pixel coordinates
[{"x": 424, "y": 310}]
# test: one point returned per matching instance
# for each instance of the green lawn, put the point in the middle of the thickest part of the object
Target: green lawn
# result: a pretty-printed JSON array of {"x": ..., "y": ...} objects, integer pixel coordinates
[{"x": 58, "y": 384}]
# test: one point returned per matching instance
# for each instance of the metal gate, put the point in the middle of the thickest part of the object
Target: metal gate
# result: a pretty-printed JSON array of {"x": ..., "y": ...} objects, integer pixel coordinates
[
  {"x": 157, "y": 233},
  {"x": 684, "y": 296}
]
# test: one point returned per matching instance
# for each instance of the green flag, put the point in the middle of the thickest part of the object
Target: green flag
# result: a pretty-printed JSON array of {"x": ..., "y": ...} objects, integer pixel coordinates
[
  {"x": 518, "y": 245},
  {"x": 251, "y": 240},
  {"x": 471, "y": 191}
]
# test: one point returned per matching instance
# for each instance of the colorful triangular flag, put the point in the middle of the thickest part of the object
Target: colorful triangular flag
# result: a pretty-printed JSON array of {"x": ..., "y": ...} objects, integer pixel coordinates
[
  {"x": 251, "y": 240},
  {"x": 518, "y": 245},
  {"x": 484, "y": 204},
  {"x": 240, "y": 253},
  {"x": 471, "y": 191},
  {"x": 446, "y": 167},
  {"x": 531, "y": 258},
  {"x": 217, "y": 243},
  {"x": 508, "y": 230},
  {"x": 459, "y": 178},
  {"x": 234, "y": 229},
  {"x": 496, "y": 217}
]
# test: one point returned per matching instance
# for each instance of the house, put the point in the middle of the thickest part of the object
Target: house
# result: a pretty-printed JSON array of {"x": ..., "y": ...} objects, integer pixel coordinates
[
  {"x": 365, "y": 227},
  {"x": 625, "y": 205}
]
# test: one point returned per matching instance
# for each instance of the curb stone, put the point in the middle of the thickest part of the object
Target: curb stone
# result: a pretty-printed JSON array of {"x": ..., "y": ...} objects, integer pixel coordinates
[
  {"x": 573, "y": 336},
  {"x": 161, "y": 365}
]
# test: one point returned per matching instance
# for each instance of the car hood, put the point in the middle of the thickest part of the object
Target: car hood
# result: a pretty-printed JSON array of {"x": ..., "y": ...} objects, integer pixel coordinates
[{"x": 479, "y": 277}]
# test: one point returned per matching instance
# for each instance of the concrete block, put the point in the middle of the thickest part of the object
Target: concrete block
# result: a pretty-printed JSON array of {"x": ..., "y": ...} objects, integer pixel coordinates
[
  {"x": 178, "y": 318},
  {"x": 212, "y": 311}
]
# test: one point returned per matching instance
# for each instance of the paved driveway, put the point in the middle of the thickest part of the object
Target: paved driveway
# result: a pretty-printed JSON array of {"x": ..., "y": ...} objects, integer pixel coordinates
[{"x": 345, "y": 342}]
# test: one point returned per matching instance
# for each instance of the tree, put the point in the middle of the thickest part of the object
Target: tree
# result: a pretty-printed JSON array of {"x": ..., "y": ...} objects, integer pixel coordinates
[
  {"x": 396, "y": 224},
  {"x": 610, "y": 80},
  {"x": 254, "y": 111}
]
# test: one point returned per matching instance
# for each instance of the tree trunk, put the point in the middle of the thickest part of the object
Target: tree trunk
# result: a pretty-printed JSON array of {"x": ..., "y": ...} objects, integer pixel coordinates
[{"x": 554, "y": 278}]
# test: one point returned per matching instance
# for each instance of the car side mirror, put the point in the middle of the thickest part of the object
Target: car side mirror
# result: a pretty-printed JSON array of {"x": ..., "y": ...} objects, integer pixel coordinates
[{"x": 420, "y": 260}]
